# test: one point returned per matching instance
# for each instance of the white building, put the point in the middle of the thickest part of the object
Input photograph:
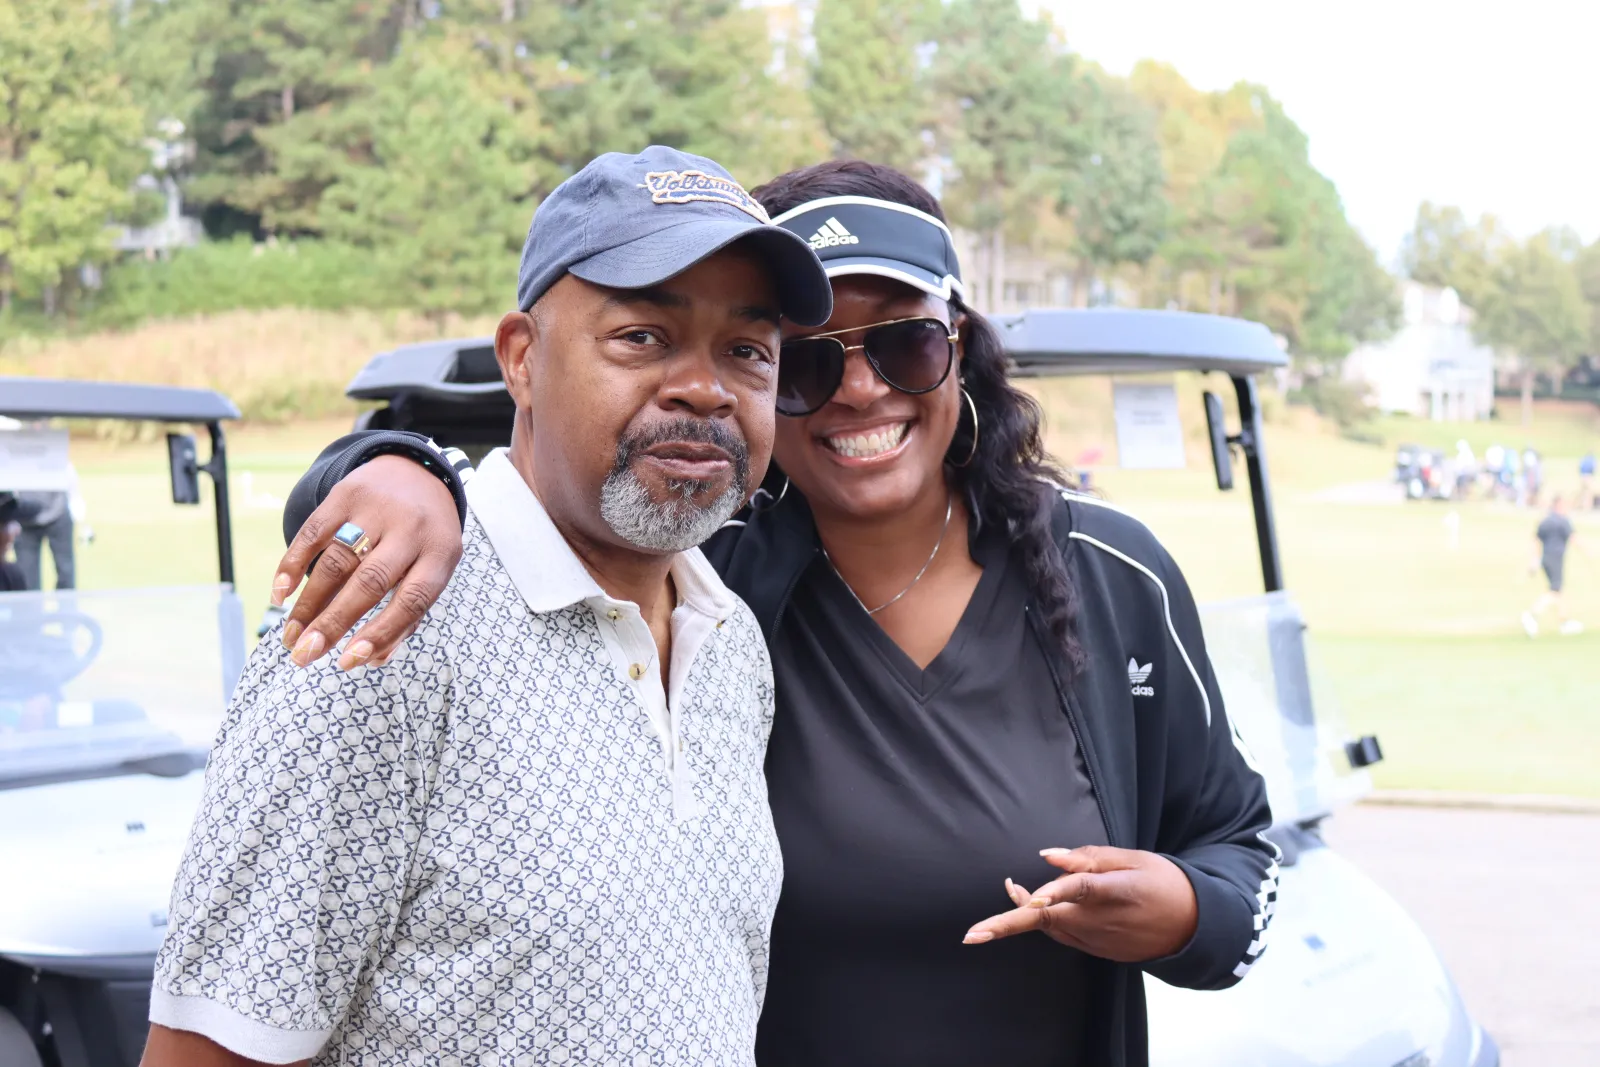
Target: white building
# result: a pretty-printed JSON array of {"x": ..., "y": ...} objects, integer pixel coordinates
[
  {"x": 1432, "y": 367},
  {"x": 174, "y": 229}
]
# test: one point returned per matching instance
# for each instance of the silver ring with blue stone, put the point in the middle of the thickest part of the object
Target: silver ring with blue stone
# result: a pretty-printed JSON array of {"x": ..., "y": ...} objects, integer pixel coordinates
[{"x": 354, "y": 538}]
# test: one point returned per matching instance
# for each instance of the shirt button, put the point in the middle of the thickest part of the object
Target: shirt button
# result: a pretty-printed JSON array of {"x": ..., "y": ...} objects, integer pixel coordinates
[
  {"x": 613, "y": 614},
  {"x": 636, "y": 671}
]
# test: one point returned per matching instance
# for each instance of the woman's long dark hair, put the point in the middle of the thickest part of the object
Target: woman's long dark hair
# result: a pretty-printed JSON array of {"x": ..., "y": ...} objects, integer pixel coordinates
[{"x": 1007, "y": 481}]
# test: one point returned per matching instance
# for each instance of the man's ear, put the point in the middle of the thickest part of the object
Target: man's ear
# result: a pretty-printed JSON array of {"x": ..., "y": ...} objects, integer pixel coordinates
[{"x": 515, "y": 343}]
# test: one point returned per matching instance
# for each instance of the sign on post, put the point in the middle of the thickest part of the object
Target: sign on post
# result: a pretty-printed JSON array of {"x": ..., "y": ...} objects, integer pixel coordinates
[
  {"x": 1149, "y": 433},
  {"x": 34, "y": 461}
]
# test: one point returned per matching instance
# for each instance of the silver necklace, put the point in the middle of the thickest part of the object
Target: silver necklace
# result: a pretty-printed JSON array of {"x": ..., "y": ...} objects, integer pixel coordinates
[{"x": 949, "y": 507}]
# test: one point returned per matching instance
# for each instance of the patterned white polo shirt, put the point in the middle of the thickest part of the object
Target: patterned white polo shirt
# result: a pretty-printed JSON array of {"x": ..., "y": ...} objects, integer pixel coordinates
[{"x": 511, "y": 845}]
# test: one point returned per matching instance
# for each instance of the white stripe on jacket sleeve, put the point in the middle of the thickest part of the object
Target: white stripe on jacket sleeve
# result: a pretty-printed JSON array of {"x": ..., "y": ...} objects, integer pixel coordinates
[{"x": 1267, "y": 895}]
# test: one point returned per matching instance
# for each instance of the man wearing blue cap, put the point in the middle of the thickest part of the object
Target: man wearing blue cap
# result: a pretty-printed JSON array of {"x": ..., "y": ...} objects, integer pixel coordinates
[{"x": 541, "y": 834}]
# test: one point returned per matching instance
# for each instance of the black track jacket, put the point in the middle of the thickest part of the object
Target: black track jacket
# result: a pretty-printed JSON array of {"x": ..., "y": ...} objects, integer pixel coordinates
[{"x": 1169, "y": 771}]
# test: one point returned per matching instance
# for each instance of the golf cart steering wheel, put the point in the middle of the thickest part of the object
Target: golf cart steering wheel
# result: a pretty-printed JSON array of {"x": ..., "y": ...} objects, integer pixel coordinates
[{"x": 39, "y": 651}]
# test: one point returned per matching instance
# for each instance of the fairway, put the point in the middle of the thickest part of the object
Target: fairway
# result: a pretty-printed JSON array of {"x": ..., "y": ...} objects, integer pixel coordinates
[
  {"x": 1413, "y": 612},
  {"x": 1414, "y": 626}
]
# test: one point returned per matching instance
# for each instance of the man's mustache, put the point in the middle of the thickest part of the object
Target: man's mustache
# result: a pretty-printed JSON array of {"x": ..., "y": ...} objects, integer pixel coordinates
[{"x": 684, "y": 429}]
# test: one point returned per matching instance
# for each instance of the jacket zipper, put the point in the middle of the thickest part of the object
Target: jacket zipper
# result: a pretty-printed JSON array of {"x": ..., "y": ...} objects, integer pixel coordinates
[{"x": 1078, "y": 734}]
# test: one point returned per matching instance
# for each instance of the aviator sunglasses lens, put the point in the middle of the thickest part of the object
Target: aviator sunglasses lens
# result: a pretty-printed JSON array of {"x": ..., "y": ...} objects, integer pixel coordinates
[
  {"x": 914, "y": 356},
  {"x": 809, "y": 370}
]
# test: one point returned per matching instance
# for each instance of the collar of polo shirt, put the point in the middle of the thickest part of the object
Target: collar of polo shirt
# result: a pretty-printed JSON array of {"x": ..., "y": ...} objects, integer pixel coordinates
[{"x": 545, "y": 570}]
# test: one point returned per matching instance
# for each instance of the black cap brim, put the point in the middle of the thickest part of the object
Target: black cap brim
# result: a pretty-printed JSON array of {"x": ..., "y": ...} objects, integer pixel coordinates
[
  {"x": 805, "y": 295},
  {"x": 941, "y": 285}
]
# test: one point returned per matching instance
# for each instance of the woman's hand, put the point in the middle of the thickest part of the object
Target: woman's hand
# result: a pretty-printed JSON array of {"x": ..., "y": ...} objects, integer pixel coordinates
[
  {"x": 1116, "y": 903},
  {"x": 415, "y": 530}
]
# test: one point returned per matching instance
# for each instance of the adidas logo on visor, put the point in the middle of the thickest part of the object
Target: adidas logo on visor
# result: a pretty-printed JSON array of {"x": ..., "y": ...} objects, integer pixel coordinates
[
  {"x": 1137, "y": 676},
  {"x": 832, "y": 234}
]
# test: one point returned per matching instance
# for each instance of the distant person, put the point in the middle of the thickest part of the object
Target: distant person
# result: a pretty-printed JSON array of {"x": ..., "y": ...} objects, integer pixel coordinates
[
  {"x": 11, "y": 578},
  {"x": 1586, "y": 481},
  {"x": 1466, "y": 468},
  {"x": 51, "y": 518},
  {"x": 1494, "y": 462},
  {"x": 1532, "y": 483},
  {"x": 1555, "y": 536}
]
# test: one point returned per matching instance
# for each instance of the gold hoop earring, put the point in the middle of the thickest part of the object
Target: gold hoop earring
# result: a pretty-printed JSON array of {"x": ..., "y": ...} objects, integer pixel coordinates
[{"x": 973, "y": 407}]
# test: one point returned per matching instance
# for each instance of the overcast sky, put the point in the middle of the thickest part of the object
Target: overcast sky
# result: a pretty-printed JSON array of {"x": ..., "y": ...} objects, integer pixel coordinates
[{"x": 1491, "y": 105}]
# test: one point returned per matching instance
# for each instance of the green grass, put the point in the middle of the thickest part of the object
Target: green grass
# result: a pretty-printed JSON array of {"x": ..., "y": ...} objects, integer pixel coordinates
[
  {"x": 1419, "y": 640},
  {"x": 1418, "y": 635},
  {"x": 1489, "y": 713}
]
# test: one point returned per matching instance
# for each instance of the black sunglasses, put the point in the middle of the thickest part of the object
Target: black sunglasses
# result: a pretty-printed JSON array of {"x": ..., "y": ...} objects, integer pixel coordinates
[{"x": 910, "y": 355}]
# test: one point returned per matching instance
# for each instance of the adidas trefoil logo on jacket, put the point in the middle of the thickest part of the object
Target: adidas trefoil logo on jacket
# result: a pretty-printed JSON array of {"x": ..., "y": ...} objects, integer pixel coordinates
[{"x": 1136, "y": 679}]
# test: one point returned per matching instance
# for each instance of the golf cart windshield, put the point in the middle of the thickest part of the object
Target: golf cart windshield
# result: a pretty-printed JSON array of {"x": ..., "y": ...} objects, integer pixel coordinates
[
  {"x": 1291, "y": 724},
  {"x": 94, "y": 684},
  {"x": 109, "y": 682}
]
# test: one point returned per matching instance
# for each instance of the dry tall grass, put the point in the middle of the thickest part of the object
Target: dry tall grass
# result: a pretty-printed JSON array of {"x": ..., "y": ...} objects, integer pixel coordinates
[{"x": 275, "y": 365}]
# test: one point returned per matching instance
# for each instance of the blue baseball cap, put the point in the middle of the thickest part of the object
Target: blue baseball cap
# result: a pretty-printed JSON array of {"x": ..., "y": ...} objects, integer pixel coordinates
[{"x": 629, "y": 222}]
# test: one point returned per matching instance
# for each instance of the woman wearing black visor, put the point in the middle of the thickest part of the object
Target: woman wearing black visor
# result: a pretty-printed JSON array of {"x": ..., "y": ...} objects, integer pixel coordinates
[{"x": 976, "y": 673}]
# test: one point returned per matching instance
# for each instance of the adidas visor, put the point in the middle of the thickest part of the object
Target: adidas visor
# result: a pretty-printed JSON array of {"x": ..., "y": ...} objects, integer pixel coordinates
[{"x": 861, "y": 235}]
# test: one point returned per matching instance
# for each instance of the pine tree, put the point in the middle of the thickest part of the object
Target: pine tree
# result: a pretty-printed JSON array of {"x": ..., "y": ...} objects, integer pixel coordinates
[
  {"x": 1115, "y": 196},
  {"x": 274, "y": 80},
  {"x": 1003, "y": 89},
  {"x": 869, "y": 81},
  {"x": 693, "y": 74},
  {"x": 441, "y": 189}
]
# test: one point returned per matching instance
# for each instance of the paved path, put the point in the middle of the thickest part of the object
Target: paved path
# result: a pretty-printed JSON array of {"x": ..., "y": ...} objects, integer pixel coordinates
[{"x": 1512, "y": 901}]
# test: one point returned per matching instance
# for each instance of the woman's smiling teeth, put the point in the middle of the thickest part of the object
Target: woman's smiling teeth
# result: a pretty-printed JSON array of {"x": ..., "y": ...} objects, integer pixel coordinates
[{"x": 865, "y": 445}]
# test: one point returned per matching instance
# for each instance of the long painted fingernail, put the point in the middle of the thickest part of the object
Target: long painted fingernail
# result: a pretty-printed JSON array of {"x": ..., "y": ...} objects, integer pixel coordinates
[
  {"x": 280, "y": 589},
  {"x": 977, "y": 937},
  {"x": 291, "y": 632},
  {"x": 1054, "y": 851},
  {"x": 355, "y": 656},
  {"x": 308, "y": 648}
]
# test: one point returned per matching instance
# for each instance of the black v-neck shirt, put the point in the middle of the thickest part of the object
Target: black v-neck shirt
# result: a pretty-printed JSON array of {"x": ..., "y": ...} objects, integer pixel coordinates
[{"x": 903, "y": 799}]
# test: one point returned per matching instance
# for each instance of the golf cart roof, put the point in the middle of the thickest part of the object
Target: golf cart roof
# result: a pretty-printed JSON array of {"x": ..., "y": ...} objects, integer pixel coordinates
[
  {"x": 460, "y": 369},
  {"x": 1051, "y": 341},
  {"x": 43, "y": 398}
]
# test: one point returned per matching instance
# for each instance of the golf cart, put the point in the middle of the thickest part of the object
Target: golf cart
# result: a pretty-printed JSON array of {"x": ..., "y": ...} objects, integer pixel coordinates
[
  {"x": 109, "y": 700},
  {"x": 1423, "y": 473},
  {"x": 1350, "y": 980}
]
